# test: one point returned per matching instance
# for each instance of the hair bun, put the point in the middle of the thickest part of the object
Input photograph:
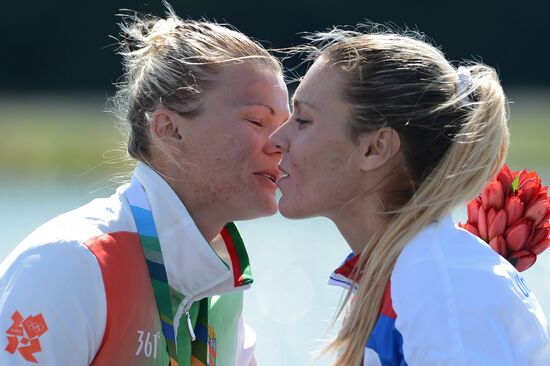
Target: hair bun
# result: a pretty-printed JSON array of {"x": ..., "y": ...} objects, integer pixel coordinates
[{"x": 143, "y": 35}]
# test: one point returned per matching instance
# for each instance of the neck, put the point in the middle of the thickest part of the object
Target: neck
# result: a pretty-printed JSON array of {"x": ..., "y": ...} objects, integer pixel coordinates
[
  {"x": 358, "y": 222},
  {"x": 207, "y": 216},
  {"x": 208, "y": 223}
]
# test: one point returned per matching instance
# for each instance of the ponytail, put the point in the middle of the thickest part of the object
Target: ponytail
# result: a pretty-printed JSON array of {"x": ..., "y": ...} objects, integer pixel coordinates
[{"x": 473, "y": 151}]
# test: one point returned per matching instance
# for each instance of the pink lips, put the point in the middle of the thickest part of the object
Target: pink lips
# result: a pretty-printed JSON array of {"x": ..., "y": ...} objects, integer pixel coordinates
[
  {"x": 272, "y": 175},
  {"x": 282, "y": 174}
]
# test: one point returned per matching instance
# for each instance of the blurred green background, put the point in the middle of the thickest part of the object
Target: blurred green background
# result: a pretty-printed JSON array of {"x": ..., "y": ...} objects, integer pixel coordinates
[
  {"x": 59, "y": 64},
  {"x": 68, "y": 135}
]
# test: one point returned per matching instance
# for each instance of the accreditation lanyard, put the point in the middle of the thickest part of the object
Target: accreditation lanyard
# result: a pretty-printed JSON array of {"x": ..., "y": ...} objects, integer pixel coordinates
[{"x": 149, "y": 240}]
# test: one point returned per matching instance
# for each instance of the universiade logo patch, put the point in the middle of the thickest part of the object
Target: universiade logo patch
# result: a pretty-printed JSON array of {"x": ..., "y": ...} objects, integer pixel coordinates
[{"x": 23, "y": 335}]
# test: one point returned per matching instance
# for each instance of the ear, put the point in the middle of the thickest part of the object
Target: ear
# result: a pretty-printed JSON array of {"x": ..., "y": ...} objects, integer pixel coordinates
[
  {"x": 164, "y": 126},
  {"x": 377, "y": 148}
]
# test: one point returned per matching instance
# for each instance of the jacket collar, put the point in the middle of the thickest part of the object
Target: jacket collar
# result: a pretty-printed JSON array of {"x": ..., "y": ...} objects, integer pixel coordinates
[
  {"x": 341, "y": 276},
  {"x": 194, "y": 267}
]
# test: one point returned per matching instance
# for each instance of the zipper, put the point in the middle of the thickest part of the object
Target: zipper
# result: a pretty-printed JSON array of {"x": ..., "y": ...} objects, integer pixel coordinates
[
  {"x": 183, "y": 308},
  {"x": 190, "y": 326},
  {"x": 186, "y": 309}
]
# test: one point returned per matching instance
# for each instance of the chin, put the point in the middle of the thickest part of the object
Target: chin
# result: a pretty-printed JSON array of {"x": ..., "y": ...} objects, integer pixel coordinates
[
  {"x": 269, "y": 209},
  {"x": 261, "y": 210},
  {"x": 293, "y": 211}
]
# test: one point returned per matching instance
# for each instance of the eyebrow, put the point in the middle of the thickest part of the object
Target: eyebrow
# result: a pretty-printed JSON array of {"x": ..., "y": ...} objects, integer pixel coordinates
[
  {"x": 298, "y": 102},
  {"x": 271, "y": 110}
]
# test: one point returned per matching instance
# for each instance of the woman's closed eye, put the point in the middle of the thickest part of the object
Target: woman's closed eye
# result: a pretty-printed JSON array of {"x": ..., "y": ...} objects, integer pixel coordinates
[
  {"x": 302, "y": 122},
  {"x": 255, "y": 122}
]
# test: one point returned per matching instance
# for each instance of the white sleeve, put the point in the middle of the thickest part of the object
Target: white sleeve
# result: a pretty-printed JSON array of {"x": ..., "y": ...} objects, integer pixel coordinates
[
  {"x": 459, "y": 315},
  {"x": 52, "y": 306},
  {"x": 246, "y": 344}
]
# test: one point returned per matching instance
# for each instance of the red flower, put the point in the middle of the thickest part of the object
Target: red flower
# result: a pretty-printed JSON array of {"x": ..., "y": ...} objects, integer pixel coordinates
[
  {"x": 498, "y": 224},
  {"x": 517, "y": 235},
  {"x": 514, "y": 209},
  {"x": 522, "y": 260},
  {"x": 505, "y": 177},
  {"x": 512, "y": 214},
  {"x": 492, "y": 196},
  {"x": 499, "y": 245}
]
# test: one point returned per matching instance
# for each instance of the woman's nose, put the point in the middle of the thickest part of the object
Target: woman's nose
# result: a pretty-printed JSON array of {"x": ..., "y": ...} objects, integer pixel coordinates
[{"x": 277, "y": 140}]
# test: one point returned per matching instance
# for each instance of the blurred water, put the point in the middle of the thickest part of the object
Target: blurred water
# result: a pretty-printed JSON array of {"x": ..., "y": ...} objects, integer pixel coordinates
[{"x": 289, "y": 306}]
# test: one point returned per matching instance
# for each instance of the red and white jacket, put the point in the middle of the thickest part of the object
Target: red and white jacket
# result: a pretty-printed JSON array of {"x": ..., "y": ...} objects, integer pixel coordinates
[
  {"x": 77, "y": 291},
  {"x": 452, "y": 300}
]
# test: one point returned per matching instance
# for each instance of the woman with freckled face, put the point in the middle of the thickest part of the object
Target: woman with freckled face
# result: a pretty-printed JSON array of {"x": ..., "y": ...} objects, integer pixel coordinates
[
  {"x": 385, "y": 139},
  {"x": 154, "y": 274}
]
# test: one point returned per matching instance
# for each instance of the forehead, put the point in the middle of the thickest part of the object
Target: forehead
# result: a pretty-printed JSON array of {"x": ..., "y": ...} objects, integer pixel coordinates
[
  {"x": 320, "y": 86},
  {"x": 247, "y": 83}
]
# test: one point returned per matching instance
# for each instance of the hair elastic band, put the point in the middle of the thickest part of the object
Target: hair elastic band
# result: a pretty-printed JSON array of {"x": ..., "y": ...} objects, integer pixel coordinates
[{"x": 463, "y": 83}]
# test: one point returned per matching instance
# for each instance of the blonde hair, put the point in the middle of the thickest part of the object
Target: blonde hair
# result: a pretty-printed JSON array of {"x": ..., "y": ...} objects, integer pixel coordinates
[
  {"x": 453, "y": 141},
  {"x": 171, "y": 63}
]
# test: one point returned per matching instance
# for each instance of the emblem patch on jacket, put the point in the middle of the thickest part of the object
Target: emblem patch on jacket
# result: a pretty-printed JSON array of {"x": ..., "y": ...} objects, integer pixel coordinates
[
  {"x": 23, "y": 335},
  {"x": 211, "y": 345}
]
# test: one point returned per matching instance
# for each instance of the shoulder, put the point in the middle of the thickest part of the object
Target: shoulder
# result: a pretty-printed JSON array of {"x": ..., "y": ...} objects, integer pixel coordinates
[
  {"x": 97, "y": 217},
  {"x": 447, "y": 261},
  {"x": 452, "y": 292},
  {"x": 447, "y": 257},
  {"x": 57, "y": 287},
  {"x": 65, "y": 233},
  {"x": 54, "y": 280},
  {"x": 49, "y": 275}
]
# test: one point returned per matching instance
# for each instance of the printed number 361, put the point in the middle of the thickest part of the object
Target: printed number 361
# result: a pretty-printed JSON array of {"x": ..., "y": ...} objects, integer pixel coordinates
[{"x": 145, "y": 344}]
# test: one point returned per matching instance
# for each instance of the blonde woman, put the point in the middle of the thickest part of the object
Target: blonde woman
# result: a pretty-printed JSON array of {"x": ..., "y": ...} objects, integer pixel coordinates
[
  {"x": 385, "y": 139},
  {"x": 154, "y": 274}
]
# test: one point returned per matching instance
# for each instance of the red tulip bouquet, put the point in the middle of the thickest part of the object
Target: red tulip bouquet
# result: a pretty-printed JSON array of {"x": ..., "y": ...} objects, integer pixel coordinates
[{"x": 512, "y": 214}]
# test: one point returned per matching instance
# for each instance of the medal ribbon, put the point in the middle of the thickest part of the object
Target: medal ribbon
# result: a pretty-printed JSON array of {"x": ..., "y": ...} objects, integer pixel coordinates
[{"x": 148, "y": 237}]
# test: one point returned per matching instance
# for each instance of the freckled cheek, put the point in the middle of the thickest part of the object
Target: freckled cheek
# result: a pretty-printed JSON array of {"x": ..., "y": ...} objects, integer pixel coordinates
[
  {"x": 237, "y": 155},
  {"x": 323, "y": 167},
  {"x": 304, "y": 175}
]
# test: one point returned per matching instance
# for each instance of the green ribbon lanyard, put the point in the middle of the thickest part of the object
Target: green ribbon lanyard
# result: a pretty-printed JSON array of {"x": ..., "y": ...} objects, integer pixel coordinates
[{"x": 166, "y": 303}]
